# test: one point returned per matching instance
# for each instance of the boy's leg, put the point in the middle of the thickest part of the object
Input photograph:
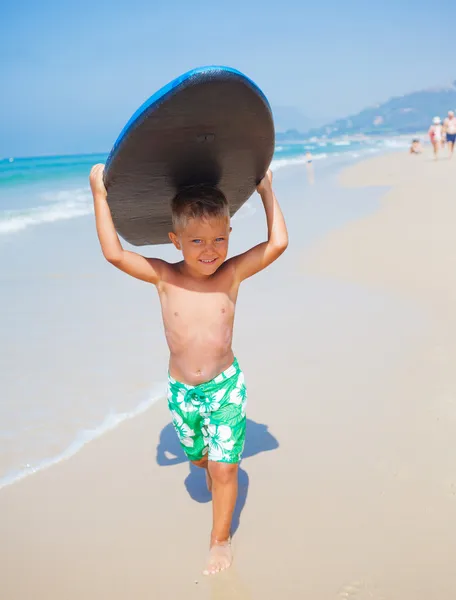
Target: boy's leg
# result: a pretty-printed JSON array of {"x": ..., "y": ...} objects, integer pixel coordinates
[
  {"x": 224, "y": 494},
  {"x": 224, "y": 432},
  {"x": 222, "y": 480},
  {"x": 203, "y": 464}
]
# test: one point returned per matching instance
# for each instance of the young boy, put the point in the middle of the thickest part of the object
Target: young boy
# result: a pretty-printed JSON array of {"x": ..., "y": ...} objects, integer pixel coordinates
[{"x": 206, "y": 391}]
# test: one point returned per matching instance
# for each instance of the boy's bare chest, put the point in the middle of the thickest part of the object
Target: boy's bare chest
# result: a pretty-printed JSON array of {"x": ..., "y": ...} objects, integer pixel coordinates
[{"x": 194, "y": 308}]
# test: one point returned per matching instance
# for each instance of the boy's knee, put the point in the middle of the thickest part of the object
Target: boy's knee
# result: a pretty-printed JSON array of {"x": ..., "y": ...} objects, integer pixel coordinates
[
  {"x": 223, "y": 472},
  {"x": 202, "y": 463}
]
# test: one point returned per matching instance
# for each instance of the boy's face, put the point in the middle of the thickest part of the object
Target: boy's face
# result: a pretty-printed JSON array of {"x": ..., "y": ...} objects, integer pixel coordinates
[{"x": 203, "y": 243}]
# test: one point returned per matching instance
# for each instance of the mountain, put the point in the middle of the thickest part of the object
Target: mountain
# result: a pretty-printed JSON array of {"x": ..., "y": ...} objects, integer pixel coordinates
[{"x": 402, "y": 114}]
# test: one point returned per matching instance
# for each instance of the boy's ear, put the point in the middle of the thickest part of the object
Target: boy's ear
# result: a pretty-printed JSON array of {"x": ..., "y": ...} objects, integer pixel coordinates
[{"x": 174, "y": 239}]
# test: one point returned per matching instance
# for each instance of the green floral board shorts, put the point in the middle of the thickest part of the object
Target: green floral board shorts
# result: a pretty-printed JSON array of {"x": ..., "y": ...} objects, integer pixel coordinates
[{"x": 210, "y": 418}]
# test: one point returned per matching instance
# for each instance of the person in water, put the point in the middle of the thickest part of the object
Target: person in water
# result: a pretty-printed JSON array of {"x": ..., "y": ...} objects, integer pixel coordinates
[
  {"x": 310, "y": 168},
  {"x": 206, "y": 389},
  {"x": 416, "y": 147}
]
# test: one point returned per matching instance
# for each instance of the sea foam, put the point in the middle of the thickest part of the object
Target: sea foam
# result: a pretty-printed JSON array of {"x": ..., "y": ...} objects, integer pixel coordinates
[
  {"x": 111, "y": 421},
  {"x": 62, "y": 205}
]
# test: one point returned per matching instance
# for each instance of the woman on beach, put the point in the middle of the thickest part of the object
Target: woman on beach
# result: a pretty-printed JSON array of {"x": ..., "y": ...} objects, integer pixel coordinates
[{"x": 436, "y": 135}]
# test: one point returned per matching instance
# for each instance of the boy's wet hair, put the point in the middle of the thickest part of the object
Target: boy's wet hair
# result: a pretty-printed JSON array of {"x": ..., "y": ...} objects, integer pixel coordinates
[{"x": 198, "y": 202}]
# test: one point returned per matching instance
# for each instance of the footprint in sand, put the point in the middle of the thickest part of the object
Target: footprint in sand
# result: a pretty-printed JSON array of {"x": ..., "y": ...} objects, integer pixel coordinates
[{"x": 360, "y": 590}]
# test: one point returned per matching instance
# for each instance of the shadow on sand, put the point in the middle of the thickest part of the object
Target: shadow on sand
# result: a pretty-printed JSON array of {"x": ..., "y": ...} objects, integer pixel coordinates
[{"x": 169, "y": 453}]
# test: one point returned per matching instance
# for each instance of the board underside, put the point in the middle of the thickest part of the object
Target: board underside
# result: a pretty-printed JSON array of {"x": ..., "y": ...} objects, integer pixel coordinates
[{"x": 213, "y": 127}]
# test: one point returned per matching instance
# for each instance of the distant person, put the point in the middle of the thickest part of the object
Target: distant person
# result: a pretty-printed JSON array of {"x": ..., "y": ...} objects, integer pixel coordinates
[
  {"x": 310, "y": 168},
  {"x": 436, "y": 135},
  {"x": 449, "y": 127},
  {"x": 416, "y": 147}
]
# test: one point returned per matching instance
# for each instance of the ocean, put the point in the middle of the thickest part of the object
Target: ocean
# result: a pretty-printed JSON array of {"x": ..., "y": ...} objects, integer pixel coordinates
[
  {"x": 75, "y": 358},
  {"x": 48, "y": 189}
]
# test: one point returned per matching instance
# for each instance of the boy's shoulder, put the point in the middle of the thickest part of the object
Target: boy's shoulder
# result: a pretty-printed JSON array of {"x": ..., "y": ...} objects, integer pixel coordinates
[{"x": 166, "y": 269}]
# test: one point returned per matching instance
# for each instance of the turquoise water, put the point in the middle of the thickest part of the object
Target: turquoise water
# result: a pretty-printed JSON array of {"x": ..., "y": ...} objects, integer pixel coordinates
[{"x": 50, "y": 189}]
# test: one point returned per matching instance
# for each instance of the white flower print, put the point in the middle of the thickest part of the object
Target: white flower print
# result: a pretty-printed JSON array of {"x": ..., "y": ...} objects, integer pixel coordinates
[
  {"x": 239, "y": 394},
  {"x": 219, "y": 441},
  {"x": 188, "y": 442},
  {"x": 185, "y": 402},
  {"x": 183, "y": 430},
  {"x": 212, "y": 403}
]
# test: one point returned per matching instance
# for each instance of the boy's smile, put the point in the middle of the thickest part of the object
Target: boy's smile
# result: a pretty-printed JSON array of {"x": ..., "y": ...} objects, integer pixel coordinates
[{"x": 204, "y": 244}]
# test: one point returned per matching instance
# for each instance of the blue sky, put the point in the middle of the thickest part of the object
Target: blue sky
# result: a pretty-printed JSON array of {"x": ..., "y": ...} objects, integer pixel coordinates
[{"x": 72, "y": 73}]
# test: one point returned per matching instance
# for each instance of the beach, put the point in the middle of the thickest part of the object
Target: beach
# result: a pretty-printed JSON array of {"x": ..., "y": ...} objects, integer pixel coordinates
[
  {"x": 77, "y": 355},
  {"x": 347, "y": 487}
]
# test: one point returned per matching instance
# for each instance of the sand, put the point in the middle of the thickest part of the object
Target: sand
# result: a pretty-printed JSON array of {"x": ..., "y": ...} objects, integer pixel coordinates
[{"x": 347, "y": 489}]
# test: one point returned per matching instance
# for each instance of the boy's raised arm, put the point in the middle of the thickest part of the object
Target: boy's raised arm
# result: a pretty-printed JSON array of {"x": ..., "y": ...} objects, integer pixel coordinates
[
  {"x": 147, "y": 269},
  {"x": 262, "y": 255}
]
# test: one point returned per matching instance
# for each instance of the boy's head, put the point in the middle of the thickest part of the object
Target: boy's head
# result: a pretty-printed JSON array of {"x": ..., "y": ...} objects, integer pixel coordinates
[{"x": 201, "y": 227}]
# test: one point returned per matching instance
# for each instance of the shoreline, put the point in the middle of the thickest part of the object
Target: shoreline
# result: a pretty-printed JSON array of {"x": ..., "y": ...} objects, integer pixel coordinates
[
  {"x": 94, "y": 278},
  {"x": 348, "y": 468}
]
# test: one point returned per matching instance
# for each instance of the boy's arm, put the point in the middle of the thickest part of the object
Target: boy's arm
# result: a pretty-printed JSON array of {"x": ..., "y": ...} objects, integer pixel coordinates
[
  {"x": 262, "y": 255},
  {"x": 147, "y": 269}
]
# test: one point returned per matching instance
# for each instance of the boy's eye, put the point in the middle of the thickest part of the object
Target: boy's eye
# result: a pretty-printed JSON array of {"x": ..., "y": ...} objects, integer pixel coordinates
[
  {"x": 197, "y": 241},
  {"x": 220, "y": 239}
]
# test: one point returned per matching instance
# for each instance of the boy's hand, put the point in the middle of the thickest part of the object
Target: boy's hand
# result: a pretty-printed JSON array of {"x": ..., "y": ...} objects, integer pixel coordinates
[
  {"x": 266, "y": 183},
  {"x": 96, "y": 180},
  {"x": 262, "y": 255},
  {"x": 146, "y": 269}
]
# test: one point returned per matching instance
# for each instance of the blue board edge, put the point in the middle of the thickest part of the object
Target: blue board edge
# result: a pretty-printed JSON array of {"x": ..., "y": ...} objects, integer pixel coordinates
[{"x": 168, "y": 88}]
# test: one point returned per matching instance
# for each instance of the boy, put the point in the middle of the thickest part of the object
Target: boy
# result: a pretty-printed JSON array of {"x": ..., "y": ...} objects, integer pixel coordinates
[{"x": 206, "y": 391}]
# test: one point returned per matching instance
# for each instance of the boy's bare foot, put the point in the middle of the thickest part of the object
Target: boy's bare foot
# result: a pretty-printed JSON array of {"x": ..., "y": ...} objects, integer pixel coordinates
[
  {"x": 220, "y": 557},
  {"x": 209, "y": 480}
]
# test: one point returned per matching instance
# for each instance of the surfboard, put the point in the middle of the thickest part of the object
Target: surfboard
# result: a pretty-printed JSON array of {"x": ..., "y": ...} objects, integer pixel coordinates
[{"x": 212, "y": 125}]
